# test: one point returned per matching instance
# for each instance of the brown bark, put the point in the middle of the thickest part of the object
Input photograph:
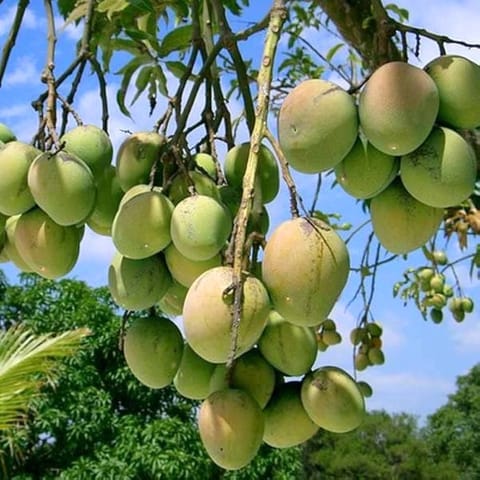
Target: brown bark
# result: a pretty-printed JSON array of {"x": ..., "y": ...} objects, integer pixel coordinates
[{"x": 366, "y": 27}]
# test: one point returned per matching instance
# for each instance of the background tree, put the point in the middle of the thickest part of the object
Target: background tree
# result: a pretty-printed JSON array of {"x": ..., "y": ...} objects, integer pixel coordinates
[
  {"x": 452, "y": 431},
  {"x": 383, "y": 447},
  {"x": 98, "y": 421}
]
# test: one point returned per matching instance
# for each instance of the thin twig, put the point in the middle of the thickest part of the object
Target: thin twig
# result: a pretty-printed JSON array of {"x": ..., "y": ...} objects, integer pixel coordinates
[{"x": 287, "y": 177}]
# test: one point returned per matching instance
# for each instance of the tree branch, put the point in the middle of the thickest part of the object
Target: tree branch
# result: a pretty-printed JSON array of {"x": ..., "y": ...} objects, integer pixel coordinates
[{"x": 277, "y": 17}]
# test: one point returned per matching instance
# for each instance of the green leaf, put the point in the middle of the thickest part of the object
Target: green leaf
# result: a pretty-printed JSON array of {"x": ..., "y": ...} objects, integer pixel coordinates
[
  {"x": 178, "y": 69},
  {"x": 66, "y": 7},
  {"x": 111, "y": 7},
  {"x": 143, "y": 5},
  {"x": 331, "y": 53},
  {"x": 127, "y": 71},
  {"x": 176, "y": 40},
  {"x": 23, "y": 357},
  {"x": 161, "y": 80},
  {"x": 142, "y": 81},
  {"x": 402, "y": 13},
  {"x": 77, "y": 13}
]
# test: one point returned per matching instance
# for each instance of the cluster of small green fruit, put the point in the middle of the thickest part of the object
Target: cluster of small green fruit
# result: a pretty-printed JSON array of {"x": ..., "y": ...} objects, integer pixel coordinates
[
  {"x": 428, "y": 286},
  {"x": 368, "y": 343},
  {"x": 438, "y": 294},
  {"x": 327, "y": 335}
]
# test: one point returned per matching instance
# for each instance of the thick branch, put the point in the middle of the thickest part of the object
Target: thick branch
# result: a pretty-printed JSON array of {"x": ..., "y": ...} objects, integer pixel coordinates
[
  {"x": 365, "y": 25},
  {"x": 277, "y": 18}
]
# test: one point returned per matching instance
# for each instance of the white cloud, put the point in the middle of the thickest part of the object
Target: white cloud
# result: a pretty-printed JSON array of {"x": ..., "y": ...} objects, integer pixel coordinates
[
  {"x": 24, "y": 72},
  {"x": 71, "y": 30},
  {"x": 466, "y": 335},
  {"x": 415, "y": 393},
  {"x": 29, "y": 21},
  {"x": 15, "y": 111}
]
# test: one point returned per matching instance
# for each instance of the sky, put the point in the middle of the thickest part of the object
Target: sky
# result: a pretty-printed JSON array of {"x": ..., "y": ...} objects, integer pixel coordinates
[{"x": 423, "y": 360}]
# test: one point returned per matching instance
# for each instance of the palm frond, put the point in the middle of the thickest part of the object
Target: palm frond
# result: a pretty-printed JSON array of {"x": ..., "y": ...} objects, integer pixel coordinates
[{"x": 27, "y": 361}]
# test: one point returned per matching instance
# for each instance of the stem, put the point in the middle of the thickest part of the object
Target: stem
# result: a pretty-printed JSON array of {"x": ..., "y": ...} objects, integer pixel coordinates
[
  {"x": 287, "y": 177},
  {"x": 231, "y": 45},
  {"x": 277, "y": 18},
  {"x": 48, "y": 76}
]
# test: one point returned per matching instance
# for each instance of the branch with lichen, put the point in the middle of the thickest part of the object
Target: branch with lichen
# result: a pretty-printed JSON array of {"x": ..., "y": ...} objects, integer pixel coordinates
[
  {"x": 277, "y": 18},
  {"x": 49, "y": 78}
]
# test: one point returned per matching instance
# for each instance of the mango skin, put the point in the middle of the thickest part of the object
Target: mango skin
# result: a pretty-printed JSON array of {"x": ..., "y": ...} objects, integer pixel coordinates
[
  {"x": 15, "y": 160},
  {"x": 366, "y": 171},
  {"x": 287, "y": 424},
  {"x": 231, "y": 428},
  {"x": 91, "y": 144},
  {"x": 267, "y": 170},
  {"x": 400, "y": 222},
  {"x": 203, "y": 184},
  {"x": 63, "y": 186},
  {"x": 141, "y": 226},
  {"x": 207, "y": 314},
  {"x": 138, "y": 284},
  {"x": 205, "y": 163},
  {"x": 200, "y": 227},
  {"x": 305, "y": 268},
  {"x": 171, "y": 304},
  {"x": 184, "y": 270},
  {"x": 6, "y": 134},
  {"x": 458, "y": 82},
  {"x": 153, "y": 349},
  {"x": 10, "y": 250},
  {"x": 317, "y": 125},
  {"x": 192, "y": 379},
  {"x": 333, "y": 400},
  {"x": 109, "y": 195},
  {"x": 250, "y": 372},
  {"x": 398, "y": 107},
  {"x": 290, "y": 348},
  {"x": 49, "y": 249},
  {"x": 442, "y": 171},
  {"x": 136, "y": 156}
]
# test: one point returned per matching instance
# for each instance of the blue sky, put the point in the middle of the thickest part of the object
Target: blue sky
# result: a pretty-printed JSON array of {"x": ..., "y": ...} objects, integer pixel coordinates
[{"x": 423, "y": 359}]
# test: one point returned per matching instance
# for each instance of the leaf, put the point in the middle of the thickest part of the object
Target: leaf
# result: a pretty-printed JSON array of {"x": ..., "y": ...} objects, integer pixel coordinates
[
  {"x": 23, "y": 357},
  {"x": 161, "y": 80},
  {"x": 143, "y": 5},
  {"x": 66, "y": 7},
  {"x": 127, "y": 71},
  {"x": 402, "y": 13},
  {"x": 112, "y": 6},
  {"x": 178, "y": 69},
  {"x": 176, "y": 40},
  {"x": 77, "y": 13},
  {"x": 331, "y": 53},
  {"x": 142, "y": 81}
]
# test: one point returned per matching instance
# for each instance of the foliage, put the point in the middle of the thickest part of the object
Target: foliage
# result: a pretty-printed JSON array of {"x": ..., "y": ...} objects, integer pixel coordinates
[
  {"x": 453, "y": 430},
  {"x": 98, "y": 421},
  {"x": 384, "y": 447},
  {"x": 26, "y": 362}
]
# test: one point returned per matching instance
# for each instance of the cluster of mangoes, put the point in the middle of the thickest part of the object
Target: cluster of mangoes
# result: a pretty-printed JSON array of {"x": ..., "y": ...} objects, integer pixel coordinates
[
  {"x": 171, "y": 232},
  {"x": 399, "y": 146}
]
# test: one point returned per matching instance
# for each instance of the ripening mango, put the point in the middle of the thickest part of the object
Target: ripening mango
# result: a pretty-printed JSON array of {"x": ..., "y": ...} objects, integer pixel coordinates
[
  {"x": 317, "y": 125},
  {"x": 397, "y": 107}
]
